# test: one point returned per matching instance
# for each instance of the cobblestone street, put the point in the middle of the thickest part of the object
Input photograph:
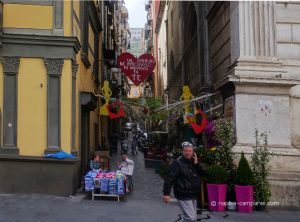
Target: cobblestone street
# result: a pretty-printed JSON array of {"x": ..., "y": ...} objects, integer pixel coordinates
[{"x": 143, "y": 205}]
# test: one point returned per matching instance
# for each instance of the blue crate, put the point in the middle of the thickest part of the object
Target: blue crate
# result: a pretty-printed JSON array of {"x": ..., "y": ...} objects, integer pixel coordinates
[{"x": 88, "y": 183}]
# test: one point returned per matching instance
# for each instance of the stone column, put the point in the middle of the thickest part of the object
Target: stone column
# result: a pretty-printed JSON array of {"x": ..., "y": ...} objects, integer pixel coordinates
[
  {"x": 10, "y": 105},
  {"x": 54, "y": 70},
  {"x": 74, "y": 74},
  {"x": 257, "y": 28}
]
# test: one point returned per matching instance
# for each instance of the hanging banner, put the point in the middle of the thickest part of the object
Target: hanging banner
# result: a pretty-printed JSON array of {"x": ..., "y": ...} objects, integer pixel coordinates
[{"x": 136, "y": 69}]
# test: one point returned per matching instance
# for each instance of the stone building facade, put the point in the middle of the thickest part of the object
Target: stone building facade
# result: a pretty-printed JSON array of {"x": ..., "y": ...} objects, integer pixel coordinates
[{"x": 250, "y": 52}]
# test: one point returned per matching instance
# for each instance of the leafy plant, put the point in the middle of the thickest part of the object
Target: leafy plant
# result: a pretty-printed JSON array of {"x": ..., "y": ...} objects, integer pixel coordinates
[
  {"x": 217, "y": 174},
  {"x": 244, "y": 175},
  {"x": 260, "y": 163},
  {"x": 163, "y": 170},
  {"x": 208, "y": 156},
  {"x": 225, "y": 135}
]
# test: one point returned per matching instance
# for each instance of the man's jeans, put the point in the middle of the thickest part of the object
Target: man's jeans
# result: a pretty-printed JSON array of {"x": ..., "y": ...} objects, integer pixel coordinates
[{"x": 189, "y": 209}]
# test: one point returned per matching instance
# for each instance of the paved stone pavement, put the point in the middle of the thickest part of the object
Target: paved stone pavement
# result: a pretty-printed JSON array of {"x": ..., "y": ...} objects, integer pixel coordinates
[{"x": 143, "y": 205}]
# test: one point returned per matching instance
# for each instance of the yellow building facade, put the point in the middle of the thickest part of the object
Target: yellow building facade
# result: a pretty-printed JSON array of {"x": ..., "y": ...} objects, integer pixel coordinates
[{"x": 50, "y": 53}]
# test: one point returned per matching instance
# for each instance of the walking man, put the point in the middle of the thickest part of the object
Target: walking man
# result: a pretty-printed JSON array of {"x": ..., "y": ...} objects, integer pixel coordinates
[{"x": 184, "y": 177}]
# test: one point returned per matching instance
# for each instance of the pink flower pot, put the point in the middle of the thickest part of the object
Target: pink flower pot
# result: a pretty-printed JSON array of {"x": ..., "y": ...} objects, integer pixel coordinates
[
  {"x": 244, "y": 198},
  {"x": 216, "y": 196}
]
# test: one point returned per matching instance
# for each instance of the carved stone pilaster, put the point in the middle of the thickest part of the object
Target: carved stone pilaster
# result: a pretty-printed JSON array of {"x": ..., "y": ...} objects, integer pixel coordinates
[
  {"x": 10, "y": 64},
  {"x": 257, "y": 28},
  {"x": 54, "y": 66},
  {"x": 10, "y": 104},
  {"x": 74, "y": 69},
  {"x": 74, "y": 74}
]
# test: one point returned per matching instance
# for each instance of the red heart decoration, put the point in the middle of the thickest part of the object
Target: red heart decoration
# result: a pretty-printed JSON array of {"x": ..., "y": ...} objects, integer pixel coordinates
[
  {"x": 120, "y": 112},
  {"x": 136, "y": 69},
  {"x": 198, "y": 128}
]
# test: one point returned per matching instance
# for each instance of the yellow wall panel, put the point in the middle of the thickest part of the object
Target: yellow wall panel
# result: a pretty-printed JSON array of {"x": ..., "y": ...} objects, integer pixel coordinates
[
  {"x": 84, "y": 83},
  {"x": 76, "y": 8},
  {"x": 32, "y": 107},
  {"x": 1, "y": 102},
  {"x": 27, "y": 16},
  {"x": 76, "y": 30},
  {"x": 91, "y": 38},
  {"x": 90, "y": 57},
  {"x": 66, "y": 106},
  {"x": 68, "y": 18}
]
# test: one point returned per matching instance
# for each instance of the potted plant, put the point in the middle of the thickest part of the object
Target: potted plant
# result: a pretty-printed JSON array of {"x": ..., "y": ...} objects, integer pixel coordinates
[
  {"x": 217, "y": 177},
  {"x": 244, "y": 186},
  {"x": 225, "y": 136},
  {"x": 260, "y": 161}
]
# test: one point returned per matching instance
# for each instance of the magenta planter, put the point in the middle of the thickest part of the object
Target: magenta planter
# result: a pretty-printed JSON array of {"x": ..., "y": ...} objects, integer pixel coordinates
[
  {"x": 244, "y": 198},
  {"x": 216, "y": 196}
]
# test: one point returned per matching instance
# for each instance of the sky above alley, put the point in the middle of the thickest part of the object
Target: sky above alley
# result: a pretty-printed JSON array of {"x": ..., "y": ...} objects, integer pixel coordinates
[{"x": 137, "y": 13}]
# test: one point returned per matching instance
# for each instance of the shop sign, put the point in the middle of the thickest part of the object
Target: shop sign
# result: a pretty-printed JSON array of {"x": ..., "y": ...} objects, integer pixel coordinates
[{"x": 136, "y": 69}]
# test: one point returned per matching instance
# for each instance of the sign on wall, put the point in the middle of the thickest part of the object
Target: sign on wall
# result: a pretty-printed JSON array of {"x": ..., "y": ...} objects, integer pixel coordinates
[{"x": 136, "y": 69}]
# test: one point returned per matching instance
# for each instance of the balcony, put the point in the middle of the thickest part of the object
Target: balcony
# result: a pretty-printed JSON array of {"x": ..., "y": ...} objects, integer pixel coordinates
[{"x": 124, "y": 12}]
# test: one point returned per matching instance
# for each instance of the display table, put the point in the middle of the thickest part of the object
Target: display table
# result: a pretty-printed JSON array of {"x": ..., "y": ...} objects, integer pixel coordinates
[
  {"x": 104, "y": 195},
  {"x": 105, "y": 184}
]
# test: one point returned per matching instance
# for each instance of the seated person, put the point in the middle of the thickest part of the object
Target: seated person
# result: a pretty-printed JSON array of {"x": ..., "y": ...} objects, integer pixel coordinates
[
  {"x": 126, "y": 167},
  {"x": 95, "y": 162}
]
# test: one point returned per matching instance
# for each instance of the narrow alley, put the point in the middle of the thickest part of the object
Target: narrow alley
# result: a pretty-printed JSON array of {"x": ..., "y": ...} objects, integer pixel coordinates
[{"x": 144, "y": 204}]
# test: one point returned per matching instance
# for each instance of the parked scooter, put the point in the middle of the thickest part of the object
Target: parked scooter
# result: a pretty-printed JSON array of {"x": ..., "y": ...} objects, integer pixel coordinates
[{"x": 141, "y": 139}]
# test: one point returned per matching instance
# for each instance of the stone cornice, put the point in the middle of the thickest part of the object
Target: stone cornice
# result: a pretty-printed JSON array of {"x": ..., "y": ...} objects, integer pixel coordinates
[
  {"x": 41, "y": 40},
  {"x": 39, "y": 46}
]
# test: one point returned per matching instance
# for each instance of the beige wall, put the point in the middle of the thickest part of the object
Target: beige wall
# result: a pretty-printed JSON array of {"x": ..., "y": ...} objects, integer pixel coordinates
[{"x": 288, "y": 30}]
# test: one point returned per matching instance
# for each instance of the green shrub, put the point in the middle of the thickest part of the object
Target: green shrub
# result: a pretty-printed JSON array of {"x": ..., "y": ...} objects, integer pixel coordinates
[
  {"x": 244, "y": 175},
  {"x": 163, "y": 170},
  {"x": 217, "y": 174},
  {"x": 260, "y": 163}
]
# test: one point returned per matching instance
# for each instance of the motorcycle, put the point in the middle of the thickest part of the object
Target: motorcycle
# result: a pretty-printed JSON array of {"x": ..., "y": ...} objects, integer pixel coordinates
[{"x": 142, "y": 141}]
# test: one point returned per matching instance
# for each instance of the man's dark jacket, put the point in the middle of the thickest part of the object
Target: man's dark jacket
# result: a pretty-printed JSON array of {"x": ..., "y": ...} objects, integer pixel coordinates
[{"x": 184, "y": 176}]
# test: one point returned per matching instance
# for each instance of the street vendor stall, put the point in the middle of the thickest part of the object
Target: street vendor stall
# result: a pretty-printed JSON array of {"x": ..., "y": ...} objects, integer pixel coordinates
[{"x": 105, "y": 183}]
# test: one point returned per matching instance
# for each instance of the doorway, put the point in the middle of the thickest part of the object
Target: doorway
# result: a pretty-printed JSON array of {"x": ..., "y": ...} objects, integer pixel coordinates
[{"x": 85, "y": 141}]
